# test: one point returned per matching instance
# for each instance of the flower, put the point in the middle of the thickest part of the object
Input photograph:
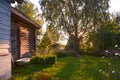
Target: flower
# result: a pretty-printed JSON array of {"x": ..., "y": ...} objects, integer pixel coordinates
[
  {"x": 100, "y": 70},
  {"x": 113, "y": 71},
  {"x": 106, "y": 51},
  {"x": 116, "y": 54},
  {"x": 116, "y": 45}
]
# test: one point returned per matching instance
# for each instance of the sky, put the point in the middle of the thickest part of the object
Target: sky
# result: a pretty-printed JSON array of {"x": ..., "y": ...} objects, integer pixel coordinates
[{"x": 114, "y": 5}]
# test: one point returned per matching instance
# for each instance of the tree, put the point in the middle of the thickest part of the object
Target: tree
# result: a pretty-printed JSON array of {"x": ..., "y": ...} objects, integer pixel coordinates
[
  {"x": 53, "y": 34},
  {"x": 30, "y": 11},
  {"x": 45, "y": 42},
  {"x": 49, "y": 40},
  {"x": 117, "y": 18},
  {"x": 75, "y": 17},
  {"x": 103, "y": 39}
]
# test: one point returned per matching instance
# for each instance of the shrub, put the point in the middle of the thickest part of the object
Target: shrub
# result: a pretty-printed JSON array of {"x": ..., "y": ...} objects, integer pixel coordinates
[
  {"x": 37, "y": 60},
  {"x": 50, "y": 60},
  {"x": 40, "y": 76},
  {"x": 43, "y": 76},
  {"x": 60, "y": 54},
  {"x": 43, "y": 60}
]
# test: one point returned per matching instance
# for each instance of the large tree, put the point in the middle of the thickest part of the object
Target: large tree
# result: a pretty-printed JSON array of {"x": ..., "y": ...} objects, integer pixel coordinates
[{"x": 75, "y": 17}]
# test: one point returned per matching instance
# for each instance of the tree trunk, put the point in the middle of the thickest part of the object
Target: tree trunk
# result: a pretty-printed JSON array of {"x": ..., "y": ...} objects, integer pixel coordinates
[{"x": 76, "y": 45}]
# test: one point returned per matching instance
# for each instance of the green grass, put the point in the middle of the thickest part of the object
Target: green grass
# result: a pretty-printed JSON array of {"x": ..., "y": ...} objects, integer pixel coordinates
[{"x": 72, "y": 68}]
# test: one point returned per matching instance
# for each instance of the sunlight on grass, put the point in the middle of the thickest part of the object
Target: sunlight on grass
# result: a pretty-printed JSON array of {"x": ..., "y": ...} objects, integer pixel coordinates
[
  {"x": 71, "y": 68},
  {"x": 56, "y": 68}
]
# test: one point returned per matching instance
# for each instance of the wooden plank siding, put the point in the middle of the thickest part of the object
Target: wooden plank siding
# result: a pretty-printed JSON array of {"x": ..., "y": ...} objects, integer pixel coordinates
[
  {"x": 15, "y": 40},
  {"x": 5, "y": 56},
  {"x": 23, "y": 42}
]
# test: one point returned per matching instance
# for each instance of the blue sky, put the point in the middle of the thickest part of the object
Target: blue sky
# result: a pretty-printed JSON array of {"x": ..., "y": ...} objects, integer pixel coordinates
[{"x": 114, "y": 5}]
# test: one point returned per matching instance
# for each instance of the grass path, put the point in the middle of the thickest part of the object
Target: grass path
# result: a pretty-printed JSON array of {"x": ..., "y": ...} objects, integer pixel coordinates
[{"x": 71, "y": 68}]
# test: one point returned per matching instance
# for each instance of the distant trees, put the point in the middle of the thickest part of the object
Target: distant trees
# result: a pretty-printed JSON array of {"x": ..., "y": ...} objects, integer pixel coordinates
[
  {"x": 118, "y": 28},
  {"x": 50, "y": 40},
  {"x": 76, "y": 17}
]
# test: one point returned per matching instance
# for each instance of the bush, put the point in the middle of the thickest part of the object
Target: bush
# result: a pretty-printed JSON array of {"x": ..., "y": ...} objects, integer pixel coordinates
[
  {"x": 50, "y": 60},
  {"x": 40, "y": 76},
  {"x": 37, "y": 60},
  {"x": 43, "y": 60},
  {"x": 60, "y": 54}
]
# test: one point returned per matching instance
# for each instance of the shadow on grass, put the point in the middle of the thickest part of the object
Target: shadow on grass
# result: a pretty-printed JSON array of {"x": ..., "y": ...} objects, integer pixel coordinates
[
  {"x": 68, "y": 68},
  {"x": 28, "y": 69}
]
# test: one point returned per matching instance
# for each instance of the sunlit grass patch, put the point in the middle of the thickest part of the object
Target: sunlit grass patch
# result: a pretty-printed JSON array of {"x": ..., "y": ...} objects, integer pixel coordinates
[{"x": 72, "y": 68}]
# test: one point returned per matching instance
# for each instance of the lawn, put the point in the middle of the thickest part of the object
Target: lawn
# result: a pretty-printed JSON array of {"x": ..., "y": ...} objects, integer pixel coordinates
[{"x": 72, "y": 68}]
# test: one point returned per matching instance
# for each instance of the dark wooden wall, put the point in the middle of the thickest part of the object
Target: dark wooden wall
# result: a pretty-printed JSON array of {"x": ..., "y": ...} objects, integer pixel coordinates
[
  {"x": 23, "y": 39},
  {"x": 15, "y": 41},
  {"x": 5, "y": 56},
  {"x": 27, "y": 41}
]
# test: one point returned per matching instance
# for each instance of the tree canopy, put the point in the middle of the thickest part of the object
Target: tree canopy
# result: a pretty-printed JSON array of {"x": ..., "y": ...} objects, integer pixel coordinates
[
  {"x": 30, "y": 11},
  {"x": 76, "y": 17}
]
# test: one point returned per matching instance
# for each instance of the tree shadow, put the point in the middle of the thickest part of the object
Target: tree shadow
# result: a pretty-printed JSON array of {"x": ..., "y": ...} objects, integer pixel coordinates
[
  {"x": 28, "y": 69},
  {"x": 80, "y": 69}
]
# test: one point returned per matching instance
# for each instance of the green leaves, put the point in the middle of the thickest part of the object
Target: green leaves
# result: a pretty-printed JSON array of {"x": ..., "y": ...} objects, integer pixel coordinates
[
  {"x": 76, "y": 16},
  {"x": 30, "y": 11}
]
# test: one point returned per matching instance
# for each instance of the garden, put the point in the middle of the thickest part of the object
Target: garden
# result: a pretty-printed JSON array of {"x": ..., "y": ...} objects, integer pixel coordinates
[
  {"x": 92, "y": 47},
  {"x": 70, "y": 68}
]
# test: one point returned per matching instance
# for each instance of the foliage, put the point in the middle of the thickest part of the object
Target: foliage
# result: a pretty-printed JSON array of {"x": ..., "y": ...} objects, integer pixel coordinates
[
  {"x": 50, "y": 60},
  {"x": 30, "y": 11},
  {"x": 46, "y": 42},
  {"x": 49, "y": 41},
  {"x": 53, "y": 34},
  {"x": 41, "y": 76},
  {"x": 37, "y": 60},
  {"x": 42, "y": 60},
  {"x": 104, "y": 38},
  {"x": 75, "y": 17},
  {"x": 110, "y": 70},
  {"x": 61, "y": 54},
  {"x": 117, "y": 19},
  {"x": 70, "y": 68}
]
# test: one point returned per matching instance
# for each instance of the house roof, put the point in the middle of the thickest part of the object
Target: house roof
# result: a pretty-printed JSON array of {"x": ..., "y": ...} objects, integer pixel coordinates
[
  {"x": 19, "y": 1},
  {"x": 21, "y": 17}
]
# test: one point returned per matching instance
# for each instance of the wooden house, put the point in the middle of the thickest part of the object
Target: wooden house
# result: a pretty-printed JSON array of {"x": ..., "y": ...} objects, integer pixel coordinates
[
  {"x": 23, "y": 35},
  {"x": 20, "y": 25}
]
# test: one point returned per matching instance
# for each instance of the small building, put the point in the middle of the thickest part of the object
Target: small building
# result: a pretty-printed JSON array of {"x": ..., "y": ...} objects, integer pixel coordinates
[
  {"x": 23, "y": 35},
  {"x": 20, "y": 44}
]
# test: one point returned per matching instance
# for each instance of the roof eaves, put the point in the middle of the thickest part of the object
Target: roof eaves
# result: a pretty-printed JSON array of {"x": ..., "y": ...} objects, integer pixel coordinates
[{"x": 21, "y": 15}]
